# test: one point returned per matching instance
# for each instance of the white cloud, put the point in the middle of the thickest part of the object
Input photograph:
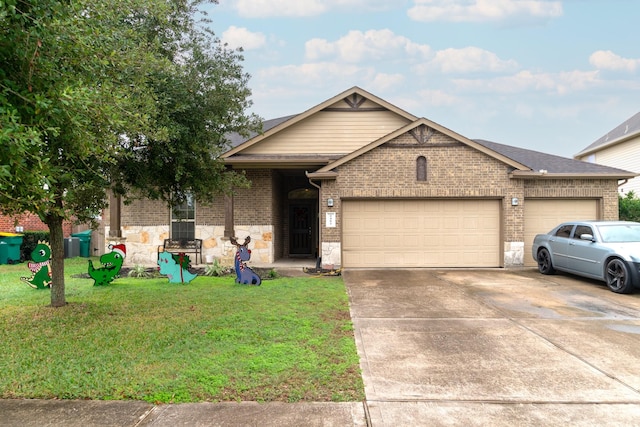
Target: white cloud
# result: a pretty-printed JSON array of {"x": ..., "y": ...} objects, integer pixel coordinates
[
  {"x": 470, "y": 59},
  {"x": 241, "y": 37},
  {"x": 312, "y": 73},
  {"x": 524, "y": 81},
  {"x": 607, "y": 60},
  {"x": 269, "y": 8},
  {"x": 384, "y": 82},
  {"x": 357, "y": 46},
  {"x": 483, "y": 10},
  {"x": 298, "y": 8},
  {"x": 438, "y": 98}
]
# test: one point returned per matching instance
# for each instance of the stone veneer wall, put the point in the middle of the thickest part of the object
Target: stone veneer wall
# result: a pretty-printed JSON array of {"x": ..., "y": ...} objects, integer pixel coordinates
[
  {"x": 145, "y": 225},
  {"x": 454, "y": 170},
  {"x": 142, "y": 243}
]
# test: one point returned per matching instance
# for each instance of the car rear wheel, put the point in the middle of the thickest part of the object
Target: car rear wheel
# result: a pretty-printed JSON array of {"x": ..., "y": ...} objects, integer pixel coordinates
[
  {"x": 545, "y": 266},
  {"x": 617, "y": 276}
]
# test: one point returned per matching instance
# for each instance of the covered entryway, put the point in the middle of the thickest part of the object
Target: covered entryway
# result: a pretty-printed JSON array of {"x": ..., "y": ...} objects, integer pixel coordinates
[
  {"x": 421, "y": 233},
  {"x": 541, "y": 215}
]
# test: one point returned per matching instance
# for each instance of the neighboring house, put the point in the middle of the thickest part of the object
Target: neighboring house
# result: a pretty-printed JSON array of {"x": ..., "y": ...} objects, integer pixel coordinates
[
  {"x": 619, "y": 148},
  {"x": 361, "y": 183},
  {"x": 28, "y": 222}
]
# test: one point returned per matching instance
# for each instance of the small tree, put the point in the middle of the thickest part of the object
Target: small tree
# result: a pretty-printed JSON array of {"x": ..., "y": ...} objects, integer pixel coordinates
[
  {"x": 629, "y": 207},
  {"x": 91, "y": 92}
]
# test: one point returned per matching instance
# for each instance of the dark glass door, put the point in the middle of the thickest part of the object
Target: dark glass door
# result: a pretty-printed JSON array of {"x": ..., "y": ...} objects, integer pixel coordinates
[{"x": 301, "y": 228}]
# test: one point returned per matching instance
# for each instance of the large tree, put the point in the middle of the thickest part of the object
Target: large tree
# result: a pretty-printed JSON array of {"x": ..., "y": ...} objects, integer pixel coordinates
[{"x": 89, "y": 89}]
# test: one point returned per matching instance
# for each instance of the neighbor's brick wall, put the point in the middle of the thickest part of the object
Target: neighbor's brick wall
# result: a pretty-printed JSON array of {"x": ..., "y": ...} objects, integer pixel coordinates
[{"x": 29, "y": 222}]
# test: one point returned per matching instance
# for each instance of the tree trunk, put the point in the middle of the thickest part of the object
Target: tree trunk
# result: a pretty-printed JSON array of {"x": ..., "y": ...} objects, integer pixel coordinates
[{"x": 56, "y": 240}]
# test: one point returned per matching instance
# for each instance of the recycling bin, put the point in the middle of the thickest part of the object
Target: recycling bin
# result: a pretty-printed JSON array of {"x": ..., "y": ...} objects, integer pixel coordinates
[
  {"x": 13, "y": 242},
  {"x": 4, "y": 252},
  {"x": 85, "y": 242}
]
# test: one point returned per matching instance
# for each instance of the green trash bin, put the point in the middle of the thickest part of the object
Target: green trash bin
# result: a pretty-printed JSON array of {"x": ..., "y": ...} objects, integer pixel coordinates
[
  {"x": 85, "y": 242},
  {"x": 13, "y": 241},
  {"x": 4, "y": 252}
]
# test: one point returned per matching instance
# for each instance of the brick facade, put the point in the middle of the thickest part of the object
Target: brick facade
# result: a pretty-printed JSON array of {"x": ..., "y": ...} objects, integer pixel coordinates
[{"x": 29, "y": 222}]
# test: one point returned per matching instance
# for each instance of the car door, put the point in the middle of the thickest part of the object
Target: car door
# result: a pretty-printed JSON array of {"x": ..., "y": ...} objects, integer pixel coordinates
[
  {"x": 585, "y": 256},
  {"x": 559, "y": 245}
]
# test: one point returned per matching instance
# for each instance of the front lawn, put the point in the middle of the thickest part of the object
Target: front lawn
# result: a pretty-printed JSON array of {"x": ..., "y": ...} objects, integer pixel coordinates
[{"x": 289, "y": 340}]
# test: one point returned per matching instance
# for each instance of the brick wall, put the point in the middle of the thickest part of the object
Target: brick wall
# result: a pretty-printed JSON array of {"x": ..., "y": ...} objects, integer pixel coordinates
[
  {"x": 29, "y": 222},
  {"x": 454, "y": 170}
]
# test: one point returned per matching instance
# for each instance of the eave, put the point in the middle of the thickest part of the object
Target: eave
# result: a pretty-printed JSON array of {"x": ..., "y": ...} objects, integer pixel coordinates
[
  {"x": 279, "y": 162},
  {"x": 520, "y": 174},
  {"x": 606, "y": 145}
]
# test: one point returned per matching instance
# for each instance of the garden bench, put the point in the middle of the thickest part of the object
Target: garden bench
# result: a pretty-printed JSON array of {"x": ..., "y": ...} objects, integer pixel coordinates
[{"x": 186, "y": 246}]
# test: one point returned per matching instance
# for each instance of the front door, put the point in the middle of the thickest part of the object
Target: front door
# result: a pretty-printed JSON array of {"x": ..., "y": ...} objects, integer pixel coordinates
[{"x": 301, "y": 228}]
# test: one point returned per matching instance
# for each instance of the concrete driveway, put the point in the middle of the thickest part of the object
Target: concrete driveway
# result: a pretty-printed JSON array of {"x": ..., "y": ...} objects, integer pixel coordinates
[{"x": 495, "y": 348}]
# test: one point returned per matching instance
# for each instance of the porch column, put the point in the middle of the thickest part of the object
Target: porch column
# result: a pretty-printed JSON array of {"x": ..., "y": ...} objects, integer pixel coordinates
[
  {"x": 228, "y": 216},
  {"x": 114, "y": 216}
]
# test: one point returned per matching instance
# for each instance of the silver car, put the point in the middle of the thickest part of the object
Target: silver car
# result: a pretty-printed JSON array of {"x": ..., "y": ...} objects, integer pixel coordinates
[{"x": 602, "y": 250}]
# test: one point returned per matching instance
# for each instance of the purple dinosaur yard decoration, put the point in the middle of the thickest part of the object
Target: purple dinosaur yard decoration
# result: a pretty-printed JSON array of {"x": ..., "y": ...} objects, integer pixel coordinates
[{"x": 244, "y": 274}]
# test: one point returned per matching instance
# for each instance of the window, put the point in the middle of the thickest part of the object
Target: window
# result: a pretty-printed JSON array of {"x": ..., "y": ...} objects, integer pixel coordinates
[
  {"x": 582, "y": 229},
  {"x": 564, "y": 231},
  {"x": 421, "y": 168},
  {"x": 183, "y": 220}
]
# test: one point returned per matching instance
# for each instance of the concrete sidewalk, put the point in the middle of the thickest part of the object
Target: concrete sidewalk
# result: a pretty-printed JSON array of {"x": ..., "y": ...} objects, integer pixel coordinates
[{"x": 89, "y": 413}]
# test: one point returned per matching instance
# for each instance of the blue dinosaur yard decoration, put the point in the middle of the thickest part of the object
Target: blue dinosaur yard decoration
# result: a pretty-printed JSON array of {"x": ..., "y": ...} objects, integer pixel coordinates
[
  {"x": 111, "y": 265},
  {"x": 244, "y": 274},
  {"x": 40, "y": 267},
  {"x": 175, "y": 267}
]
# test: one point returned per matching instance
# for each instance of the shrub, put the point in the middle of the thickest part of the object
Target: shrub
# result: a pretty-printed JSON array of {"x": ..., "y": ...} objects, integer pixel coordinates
[
  {"x": 29, "y": 241},
  {"x": 629, "y": 207}
]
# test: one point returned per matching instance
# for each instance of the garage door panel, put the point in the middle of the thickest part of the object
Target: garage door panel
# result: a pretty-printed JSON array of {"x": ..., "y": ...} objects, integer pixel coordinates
[
  {"x": 541, "y": 215},
  {"x": 422, "y": 233}
]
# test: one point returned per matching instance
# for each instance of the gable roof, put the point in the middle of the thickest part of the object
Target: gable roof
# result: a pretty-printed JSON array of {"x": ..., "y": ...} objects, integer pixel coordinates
[
  {"x": 549, "y": 165},
  {"x": 628, "y": 129},
  {"x": 278, "y": 125},
  {"x": 328, "y": 171}
]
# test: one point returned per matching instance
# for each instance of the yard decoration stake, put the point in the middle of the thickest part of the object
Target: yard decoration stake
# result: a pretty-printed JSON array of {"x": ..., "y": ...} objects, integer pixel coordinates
[
  {"x": 40, "y": 267},
  {"x": 111, "y": 265},
  {"x": 175, "y": 267},
  {"x": 244, "y": 274}
]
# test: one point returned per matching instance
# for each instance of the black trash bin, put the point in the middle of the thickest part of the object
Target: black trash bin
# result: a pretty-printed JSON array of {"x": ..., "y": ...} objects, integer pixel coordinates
[{"x": 85, "y": 242}]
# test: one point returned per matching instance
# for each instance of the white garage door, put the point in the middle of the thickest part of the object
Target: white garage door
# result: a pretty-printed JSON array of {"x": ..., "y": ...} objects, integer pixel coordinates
[
  {"x": 421, "y": 233},
  {"x": 541, "y": 215}
]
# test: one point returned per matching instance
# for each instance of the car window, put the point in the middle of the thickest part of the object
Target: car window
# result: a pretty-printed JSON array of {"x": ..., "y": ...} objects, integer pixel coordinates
[
  {"x": 564, "y": 231},
  {"x": 620, "y": 233},
  {"x": 582, "y": 229}
]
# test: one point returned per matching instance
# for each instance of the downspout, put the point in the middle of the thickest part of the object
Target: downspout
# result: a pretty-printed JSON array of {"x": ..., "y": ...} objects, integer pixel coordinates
[
  {"x": 318, "y": 258},
  {"x": 624, "y": 181}
]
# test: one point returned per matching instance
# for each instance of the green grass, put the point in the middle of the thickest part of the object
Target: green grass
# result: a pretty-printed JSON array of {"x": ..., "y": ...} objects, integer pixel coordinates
[{"x": 290, "y": 340}]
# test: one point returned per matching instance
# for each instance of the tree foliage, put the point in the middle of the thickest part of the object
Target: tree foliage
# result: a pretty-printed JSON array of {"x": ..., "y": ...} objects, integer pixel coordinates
[
  {"x": 629, "y": 207},
  {"x": 114, "y": 94}
]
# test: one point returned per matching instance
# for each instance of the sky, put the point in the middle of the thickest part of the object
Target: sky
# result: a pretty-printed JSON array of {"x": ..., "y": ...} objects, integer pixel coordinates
[{"x": 546, "y": 75}]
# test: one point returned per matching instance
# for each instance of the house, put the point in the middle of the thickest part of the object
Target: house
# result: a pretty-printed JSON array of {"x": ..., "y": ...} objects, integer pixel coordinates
[
  {"x": 618, "y": 148},
  {"x": 359, "y": 182}
]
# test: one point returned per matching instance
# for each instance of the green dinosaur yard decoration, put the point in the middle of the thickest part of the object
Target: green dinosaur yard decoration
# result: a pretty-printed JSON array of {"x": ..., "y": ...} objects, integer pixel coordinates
[
  {"x": 111, "y": 265},
  {"x": 40, "y": 267}
]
